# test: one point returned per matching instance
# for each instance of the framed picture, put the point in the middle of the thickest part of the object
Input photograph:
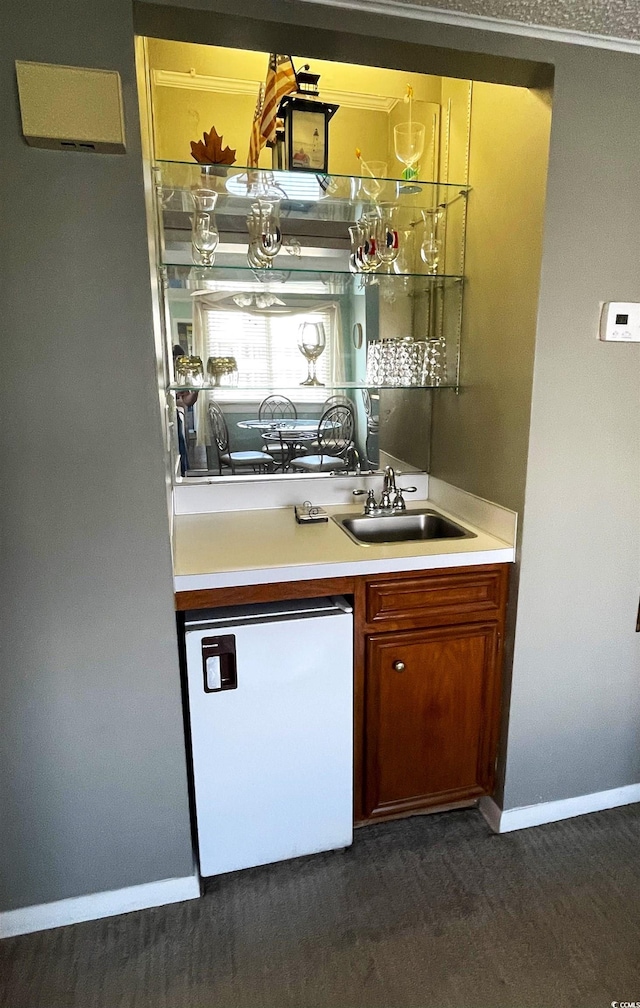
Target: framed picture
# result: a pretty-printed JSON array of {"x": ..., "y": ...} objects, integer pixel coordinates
[
  {"x": 306, "y": 133},
  {"x": 308, "y": 141}
]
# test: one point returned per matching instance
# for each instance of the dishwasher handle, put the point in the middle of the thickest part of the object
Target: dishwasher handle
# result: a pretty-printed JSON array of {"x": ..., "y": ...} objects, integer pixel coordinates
[{"x": 219, "y": 663}]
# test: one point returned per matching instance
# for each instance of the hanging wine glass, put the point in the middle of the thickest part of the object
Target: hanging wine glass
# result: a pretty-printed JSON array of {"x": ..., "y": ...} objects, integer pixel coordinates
[
  {"x": 430, "y": 253},
  {"x": 312, "y": 341},
  {"x": 356, "y": 239},
  {"x": 408, "y": 142},
  {"x": 204, "y": 240},
  {"x": 371, "y": 224},
  {"x": 388, "y": 244},
  {"x": 255, "y": 257},
  {"x": 265, "y": 236},
  {"x": 270, "y": 235},
  {"x": 431, "y": 246},
  {"x": 405, "y": 263},
  {"x": 204, "y": 232}
]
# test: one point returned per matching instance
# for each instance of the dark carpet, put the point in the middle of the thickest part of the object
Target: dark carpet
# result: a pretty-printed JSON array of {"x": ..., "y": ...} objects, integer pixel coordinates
[{"x": 432, "y": 911}]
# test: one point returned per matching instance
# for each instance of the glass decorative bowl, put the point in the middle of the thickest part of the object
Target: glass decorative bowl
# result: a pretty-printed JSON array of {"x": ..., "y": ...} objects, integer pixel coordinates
[{"x": 222, "y": 372}]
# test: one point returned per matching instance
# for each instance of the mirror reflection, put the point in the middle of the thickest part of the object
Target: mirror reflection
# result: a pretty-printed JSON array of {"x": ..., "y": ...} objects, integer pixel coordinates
[{"x": 308, "y": 316}]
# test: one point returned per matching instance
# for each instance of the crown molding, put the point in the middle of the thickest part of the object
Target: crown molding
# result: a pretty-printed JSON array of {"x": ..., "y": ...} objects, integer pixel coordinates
[
  {"x": 199, "y": 82},
  {"x": 233, "y": 85},
  {"x": 480, "y": 22}
]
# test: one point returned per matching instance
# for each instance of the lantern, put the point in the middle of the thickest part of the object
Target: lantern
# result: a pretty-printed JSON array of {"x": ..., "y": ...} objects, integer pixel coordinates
[{"x": 306, "y": 125}]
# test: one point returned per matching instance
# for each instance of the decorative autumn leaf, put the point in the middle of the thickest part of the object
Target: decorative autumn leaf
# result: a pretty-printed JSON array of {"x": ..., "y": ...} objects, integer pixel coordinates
[{"x": 209, "y": 150}]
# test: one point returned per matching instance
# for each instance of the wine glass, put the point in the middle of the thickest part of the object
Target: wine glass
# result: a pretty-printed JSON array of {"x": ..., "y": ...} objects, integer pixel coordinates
[
  {"x": 430, "y": 253},
  {"x": 371, "y": 224},
  {"x": 204, "y": 239},
  {"x": 312, "y": 341},
  {"x": 263, "y": 224},
  {"x": 255, "y": 256},
  {"x": 408, "y": 142},
  {"x": 204, "y": 233},
  {"x": 356, "y": 238},
  {"x": 372, "y": 179},
  {"x": 389, "y": 244},
  {"x": 431, "y": 247},
  {"x": 269, "y": 234}
]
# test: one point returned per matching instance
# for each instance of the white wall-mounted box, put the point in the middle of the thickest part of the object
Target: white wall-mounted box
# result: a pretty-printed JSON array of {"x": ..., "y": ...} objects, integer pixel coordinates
[
  {"x": 71, "y": 108},
  {"x": 620, "y": 322}
]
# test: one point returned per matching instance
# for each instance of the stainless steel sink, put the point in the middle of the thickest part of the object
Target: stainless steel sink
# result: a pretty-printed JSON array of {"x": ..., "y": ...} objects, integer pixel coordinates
[{"x": 406, "y": 526}]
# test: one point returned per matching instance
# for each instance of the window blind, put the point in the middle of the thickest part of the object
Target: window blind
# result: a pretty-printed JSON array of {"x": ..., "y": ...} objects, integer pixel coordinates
[{"x": 266, "y": 349}]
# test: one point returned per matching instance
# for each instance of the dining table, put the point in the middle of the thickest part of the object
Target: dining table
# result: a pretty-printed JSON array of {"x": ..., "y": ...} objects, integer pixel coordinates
[{"x": 288, "y": 433}]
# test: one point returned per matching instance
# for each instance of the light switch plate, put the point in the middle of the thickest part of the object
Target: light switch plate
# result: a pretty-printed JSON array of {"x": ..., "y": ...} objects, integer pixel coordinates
[{"x": 620, "y": 322}]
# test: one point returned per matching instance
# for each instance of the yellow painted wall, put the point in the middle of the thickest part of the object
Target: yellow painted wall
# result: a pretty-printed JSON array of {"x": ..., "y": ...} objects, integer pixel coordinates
[
  {"x": 247, "y": 65},
  {"x": 182, "y": 115},
  {"x": 480, "y": 438}
]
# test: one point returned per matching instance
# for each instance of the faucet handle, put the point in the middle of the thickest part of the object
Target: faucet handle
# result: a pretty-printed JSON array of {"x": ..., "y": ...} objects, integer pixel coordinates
[
  {"x": 370, "y": 505},
  {"x": 398, "y": 500}
]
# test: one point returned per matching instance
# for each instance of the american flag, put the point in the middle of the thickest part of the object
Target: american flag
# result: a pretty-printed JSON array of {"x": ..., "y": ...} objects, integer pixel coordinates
[
  {"x": 281, "y": 80},
  {"x": 255, "y": 143}
]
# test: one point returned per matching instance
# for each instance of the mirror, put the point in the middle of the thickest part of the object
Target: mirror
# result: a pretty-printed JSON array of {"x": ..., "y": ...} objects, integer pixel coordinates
[
  {"x": 280, "y": 349},
  {"x": 268, "y": 289}
]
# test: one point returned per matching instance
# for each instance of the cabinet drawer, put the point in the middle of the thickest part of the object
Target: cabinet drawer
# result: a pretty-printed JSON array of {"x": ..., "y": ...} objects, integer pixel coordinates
[{"x": 437, "y": 597}]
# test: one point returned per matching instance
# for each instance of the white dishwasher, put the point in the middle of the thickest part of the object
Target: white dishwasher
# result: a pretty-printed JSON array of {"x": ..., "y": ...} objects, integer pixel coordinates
[{"x": 270, "y": 692}]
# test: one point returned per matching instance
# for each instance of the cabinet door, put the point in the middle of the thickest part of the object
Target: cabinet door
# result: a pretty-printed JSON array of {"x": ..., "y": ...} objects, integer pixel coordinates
[{"x": 430, "y": 716}]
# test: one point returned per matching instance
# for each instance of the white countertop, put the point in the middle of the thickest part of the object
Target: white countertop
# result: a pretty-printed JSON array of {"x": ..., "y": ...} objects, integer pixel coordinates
[{"x": 228, "y": 548}]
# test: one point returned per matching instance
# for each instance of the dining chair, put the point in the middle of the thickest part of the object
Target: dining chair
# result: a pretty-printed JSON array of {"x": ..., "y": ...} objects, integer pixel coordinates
[
  {"x": 259, "y": 461},
  {"x": 337, "y": 400},
  {"x": 277, "y": 407},
  {"x": 333, "y": 400},
  {"x": 334, "y": 439}
]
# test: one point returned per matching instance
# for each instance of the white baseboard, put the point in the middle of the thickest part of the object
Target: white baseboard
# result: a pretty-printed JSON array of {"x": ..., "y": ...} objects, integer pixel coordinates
[
  {"x": 546, "y": 812},
  {"x": 97, "y": 905}
]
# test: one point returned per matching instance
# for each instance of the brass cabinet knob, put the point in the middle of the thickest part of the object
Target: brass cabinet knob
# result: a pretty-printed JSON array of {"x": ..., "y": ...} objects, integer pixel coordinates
[{"x": 398, "y": 666}]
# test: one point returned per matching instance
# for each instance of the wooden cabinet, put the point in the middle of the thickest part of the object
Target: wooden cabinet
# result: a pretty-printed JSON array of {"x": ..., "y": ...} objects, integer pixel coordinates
[
  {"x": 429, "y": 688},
  {"x": 428, "y": 657}
]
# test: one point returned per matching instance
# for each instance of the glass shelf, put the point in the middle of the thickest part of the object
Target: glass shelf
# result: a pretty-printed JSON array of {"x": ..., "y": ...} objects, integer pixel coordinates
[
  {"x": 304, "y": 194},
  {"x": 321, "y": 390},
  {"x": 185, "y": 276},
  {"x": 311, "y": 272}
]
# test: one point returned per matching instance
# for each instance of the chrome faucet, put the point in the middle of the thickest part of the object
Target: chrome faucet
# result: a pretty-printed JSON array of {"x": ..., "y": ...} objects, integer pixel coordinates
[
  {"x": 391, "y": 499},
  {"x": 389, "y": 489}
]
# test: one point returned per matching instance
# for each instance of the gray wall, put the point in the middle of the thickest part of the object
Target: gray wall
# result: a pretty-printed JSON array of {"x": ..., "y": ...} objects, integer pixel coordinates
[
  {"x": 93, "y": 784},
  {"x": 575, "y": 708}
]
